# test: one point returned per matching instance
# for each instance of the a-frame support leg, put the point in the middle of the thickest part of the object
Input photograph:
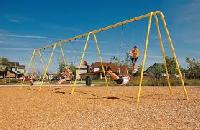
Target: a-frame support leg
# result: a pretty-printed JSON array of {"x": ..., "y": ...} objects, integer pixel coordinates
[
  {"x": 101, "y": 60},
  {"x": 174, "y": 55},
  {"x": 47, "y": 67},
  {"x": 29, "y": 64},
  {"x": 163, "y": 52},
  {"x": 81, "y": 61},
  {"x": 144, "y": 58},
  {"x": 82, "y": 57}
]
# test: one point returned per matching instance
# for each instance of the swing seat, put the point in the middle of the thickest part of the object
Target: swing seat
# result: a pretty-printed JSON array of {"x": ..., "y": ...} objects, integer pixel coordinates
[{"x": 135, "y": 71}]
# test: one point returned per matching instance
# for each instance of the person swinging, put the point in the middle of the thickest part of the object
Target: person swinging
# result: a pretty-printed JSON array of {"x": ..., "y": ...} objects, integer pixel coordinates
[
  {"x": 134, "y": 54},
  {"x": 67, "y": 73},
  {"x": 121, "y": 80}
]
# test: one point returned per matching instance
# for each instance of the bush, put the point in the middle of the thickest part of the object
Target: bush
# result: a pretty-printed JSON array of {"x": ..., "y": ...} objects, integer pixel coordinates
[
  {"x": 2, "y": 81},
  {"x": 192, "y": 82},
  {"x": 150, "y": 81},
  {"x": 12, "y": 81}
]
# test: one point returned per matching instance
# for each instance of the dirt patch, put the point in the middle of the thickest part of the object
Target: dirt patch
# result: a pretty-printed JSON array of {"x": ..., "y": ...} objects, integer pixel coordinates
[{"x": 99, "y": 108}]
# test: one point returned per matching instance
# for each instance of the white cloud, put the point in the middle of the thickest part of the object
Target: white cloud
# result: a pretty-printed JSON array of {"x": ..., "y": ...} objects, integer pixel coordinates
[
  {"x": 155, "y": 56},
  {"x": 15, "y": 20},
  {"x": 24, "y": 36},
  {"x": 16, "y": 49}
]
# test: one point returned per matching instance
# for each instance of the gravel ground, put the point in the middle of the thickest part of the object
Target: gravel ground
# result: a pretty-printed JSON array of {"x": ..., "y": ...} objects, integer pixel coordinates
[{"x": 98, "y": 108}]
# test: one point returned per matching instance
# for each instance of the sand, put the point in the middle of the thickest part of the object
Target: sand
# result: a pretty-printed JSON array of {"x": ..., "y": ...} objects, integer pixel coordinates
[{"x": 98, "y": 108}]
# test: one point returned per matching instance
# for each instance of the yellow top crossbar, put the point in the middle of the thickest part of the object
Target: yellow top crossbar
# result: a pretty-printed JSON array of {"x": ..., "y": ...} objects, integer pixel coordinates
[{"x": 102, "y": 29}]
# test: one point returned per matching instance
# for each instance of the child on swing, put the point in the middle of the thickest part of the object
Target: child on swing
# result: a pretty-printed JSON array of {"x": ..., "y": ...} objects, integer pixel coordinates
[
  {"x": 64, "y": 75},
  {"x": 121, "y": 80},
  {"x": 134, "y": 53}
]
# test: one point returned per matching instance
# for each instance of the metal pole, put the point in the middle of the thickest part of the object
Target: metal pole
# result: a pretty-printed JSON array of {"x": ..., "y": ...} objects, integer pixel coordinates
[
  {"x": 81, "y": 61},
  {"x": 174, "y": 54},
  {"x": 47, "y": 67},
  {"x": 63, "y": 54},
  {"x": 163, "y": 52},
  {"x": 100, "y": 57},
  {"x": 144, "y": 58},
  {"x": 29, "y": 64},
  {"x": 104, "y": 28},
  {"x": 42, "y": 60}
]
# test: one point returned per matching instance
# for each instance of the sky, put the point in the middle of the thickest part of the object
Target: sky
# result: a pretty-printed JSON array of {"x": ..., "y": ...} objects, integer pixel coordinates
[{"x": 25, "y": 25}]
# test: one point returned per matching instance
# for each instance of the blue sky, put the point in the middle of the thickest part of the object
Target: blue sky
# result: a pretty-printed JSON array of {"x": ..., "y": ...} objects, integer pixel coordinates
[{"x": 25, "y": 25}]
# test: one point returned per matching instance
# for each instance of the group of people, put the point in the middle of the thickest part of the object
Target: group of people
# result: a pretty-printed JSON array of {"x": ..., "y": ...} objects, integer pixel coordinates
[{"x": 122, "y": 80}]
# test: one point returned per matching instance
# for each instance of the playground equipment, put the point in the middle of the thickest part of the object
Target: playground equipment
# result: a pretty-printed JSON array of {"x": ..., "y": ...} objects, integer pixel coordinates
[{"x": 94, "y": 32}]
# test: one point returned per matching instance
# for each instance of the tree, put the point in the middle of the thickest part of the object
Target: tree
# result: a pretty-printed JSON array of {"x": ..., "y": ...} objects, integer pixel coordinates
[
  {"x": 171, "y": 65},
  {"x": 4, "y": 61},
  {"x": 127, "y": 59},
  {"x": 115, "y": 60},
  {"x": 156, "y": 70},
  {"x": 72, "y": 67},
  {"x": 193, "y": 70},
  {"x": 61, "y": 66}
]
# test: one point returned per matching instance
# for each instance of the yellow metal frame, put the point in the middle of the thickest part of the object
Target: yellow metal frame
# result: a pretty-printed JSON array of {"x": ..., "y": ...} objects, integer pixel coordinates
[
  {"x": 163, "y": 52},
  {"x": 174, "y": 54},
  {"x": 62, "y": 53},
  {"x": 47, "y": 67},
  {"x": 41, "y": 59},
  {"x": 82, "y": 57},
  {"x": 144, "y": 57},
  {"x": 32, "y": 63},
  {"x": 29, "y": 65},
  {"x": 94, "y": 32}
]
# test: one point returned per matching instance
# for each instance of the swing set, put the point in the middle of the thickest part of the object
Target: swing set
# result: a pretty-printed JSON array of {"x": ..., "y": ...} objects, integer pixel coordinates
[{"x": 88, "y": 35}]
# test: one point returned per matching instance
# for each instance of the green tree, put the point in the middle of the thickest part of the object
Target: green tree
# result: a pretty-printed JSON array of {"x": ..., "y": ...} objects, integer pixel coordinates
[
  {"x": 156, "y": 70},
  {"x": 61, "y": 66},
  {"x": 72, "y": 67},
  {"x": 4, "y": 61},
  {"x": 115, "y": 60},
  {"x": 193, "y": 69},
  {"x": 127, "y": 59},
  {"x": 171, "y": 65}
]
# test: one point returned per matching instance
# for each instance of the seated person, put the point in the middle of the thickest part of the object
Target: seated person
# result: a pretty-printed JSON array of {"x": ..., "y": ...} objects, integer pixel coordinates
[
  {"x": 64, "y": 75},
  {"x": 122, "y": 80}
]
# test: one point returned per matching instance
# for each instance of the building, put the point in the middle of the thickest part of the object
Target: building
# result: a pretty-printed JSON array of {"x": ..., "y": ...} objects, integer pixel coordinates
[
  {"x": 119, "y": 69},
  {"x": 11, "y": 70},
  {"x": 83, "y": 70}
]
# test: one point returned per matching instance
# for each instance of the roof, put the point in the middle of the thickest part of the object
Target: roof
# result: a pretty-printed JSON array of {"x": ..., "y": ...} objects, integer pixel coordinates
[
  {"x": 13, "y": 63},
  {"x": 97, "y": 64},
  {"x": 114, "y": 67},
  {"x": 21, "y": 66}
]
